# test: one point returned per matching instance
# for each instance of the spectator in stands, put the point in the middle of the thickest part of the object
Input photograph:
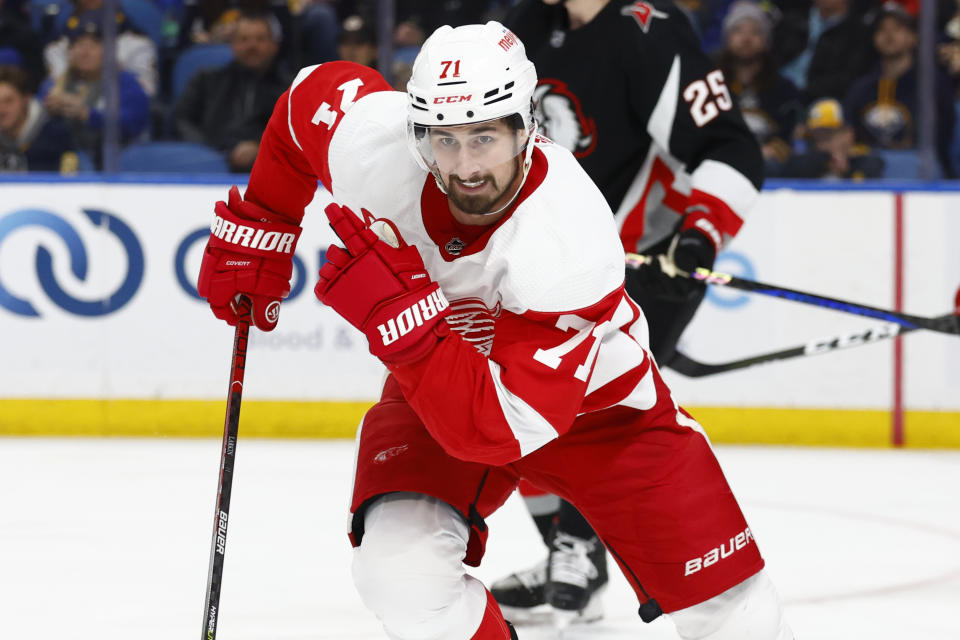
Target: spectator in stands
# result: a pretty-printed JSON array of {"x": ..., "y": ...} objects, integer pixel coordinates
[
  {"x": 216, "y": 21},
  {"x": 707, "y": 17},
  {"x": 949, "y": 54},
  {"x": 949, "y": 51},
  {"x": 318, "y": 28},
  {"x": 29, "y": 139},
  {"x": 228, "y": 108},
  {"x": 19, "y": 46},
  {"x": 882, "y": 105},
  {"x": 823, "y": 49},
  {"x": 136, "y": 52},
  {"x": 357, "y": 42},
  {"x": 425, "y": 15},
  {"x": 210, "y": 22},
  {"x": 771, "y": 104},
  {"x": 77, "y": 94},
  {"x": 832, "y": 152},
  {"x": 950, "y": 20}
]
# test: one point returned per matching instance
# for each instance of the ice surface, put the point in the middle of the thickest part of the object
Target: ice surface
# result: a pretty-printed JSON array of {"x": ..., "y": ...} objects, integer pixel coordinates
[{"x": 104, "y": 539}]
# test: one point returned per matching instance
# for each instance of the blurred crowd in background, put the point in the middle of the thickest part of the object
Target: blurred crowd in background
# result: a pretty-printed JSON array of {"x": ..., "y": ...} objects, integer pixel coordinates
[{"x": 197, "y": 79}]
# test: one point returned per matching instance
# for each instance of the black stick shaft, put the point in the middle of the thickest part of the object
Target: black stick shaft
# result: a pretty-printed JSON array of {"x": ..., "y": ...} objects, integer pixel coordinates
[
  {"x": 221, "y": 513},
  {"x": 691, "y": 368},
  {"x": 942, "y": 324}
]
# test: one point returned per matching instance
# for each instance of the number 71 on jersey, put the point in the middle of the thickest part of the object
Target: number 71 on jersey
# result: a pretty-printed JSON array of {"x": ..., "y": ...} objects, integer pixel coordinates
[{"x": 584, "y": 330}]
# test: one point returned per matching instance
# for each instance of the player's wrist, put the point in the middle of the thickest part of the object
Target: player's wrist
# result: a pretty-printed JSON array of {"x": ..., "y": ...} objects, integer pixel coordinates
[{"x": 411, "y": 362}]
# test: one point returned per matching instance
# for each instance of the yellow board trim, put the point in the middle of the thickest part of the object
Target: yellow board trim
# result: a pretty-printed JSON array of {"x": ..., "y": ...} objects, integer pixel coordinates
[
  {"x": 178, "y": 418},
  {"x": 284, "y": 419}
]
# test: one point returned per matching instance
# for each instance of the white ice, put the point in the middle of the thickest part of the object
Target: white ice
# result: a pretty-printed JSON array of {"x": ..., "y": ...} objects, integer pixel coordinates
[{"x": 103, "y": 539}]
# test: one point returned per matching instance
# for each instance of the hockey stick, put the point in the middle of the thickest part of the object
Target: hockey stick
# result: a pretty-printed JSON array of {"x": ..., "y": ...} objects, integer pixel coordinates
[
  {"x": 943, "y": 324},
  {"x": 691, "y": 368},
  {"x": 227, "y": 456}
]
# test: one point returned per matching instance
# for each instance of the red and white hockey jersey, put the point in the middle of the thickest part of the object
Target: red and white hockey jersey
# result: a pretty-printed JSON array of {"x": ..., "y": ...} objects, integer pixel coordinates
[{"x": 542, "y": 329}]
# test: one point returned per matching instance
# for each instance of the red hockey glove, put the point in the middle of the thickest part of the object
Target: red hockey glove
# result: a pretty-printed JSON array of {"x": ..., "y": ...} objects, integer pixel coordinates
[
  {"x": 382, "y": 290},
  {"x": 247, "y": 255}
]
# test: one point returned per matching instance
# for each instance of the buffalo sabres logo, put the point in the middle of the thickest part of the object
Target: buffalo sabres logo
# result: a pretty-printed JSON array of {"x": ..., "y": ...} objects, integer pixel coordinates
[
  {"x": 888, "y": 122},
  {"x": 643, "y": 13},
  {"x": 561, "y": 117}
]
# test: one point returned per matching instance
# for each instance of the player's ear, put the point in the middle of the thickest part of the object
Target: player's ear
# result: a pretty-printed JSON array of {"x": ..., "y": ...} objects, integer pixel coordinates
[{"x": 523, "y": 137}]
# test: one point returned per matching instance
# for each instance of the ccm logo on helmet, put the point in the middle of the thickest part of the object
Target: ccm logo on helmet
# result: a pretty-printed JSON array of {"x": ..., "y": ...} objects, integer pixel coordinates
[
  {"x": 253, "y": 238},
  {"x": 452, "y": 99},
  {"x": 413, "y": 316}
]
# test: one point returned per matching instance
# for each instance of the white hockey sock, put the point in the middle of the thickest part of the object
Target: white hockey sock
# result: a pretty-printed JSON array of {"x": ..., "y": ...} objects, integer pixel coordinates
[{"x": 750, "y": 609}]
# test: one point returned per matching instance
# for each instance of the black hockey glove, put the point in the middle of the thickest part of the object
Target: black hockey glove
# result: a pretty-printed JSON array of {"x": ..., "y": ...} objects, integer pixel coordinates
[{"x": 688, "y": 251}]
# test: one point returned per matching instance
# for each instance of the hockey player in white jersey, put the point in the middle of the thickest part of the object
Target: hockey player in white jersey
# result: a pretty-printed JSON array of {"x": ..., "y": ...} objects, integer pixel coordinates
[{"x": 485, "y": 270}]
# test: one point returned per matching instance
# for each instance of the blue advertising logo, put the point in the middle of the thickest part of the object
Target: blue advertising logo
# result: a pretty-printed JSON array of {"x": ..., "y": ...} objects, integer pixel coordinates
[
  {"x": 725, "y": 298},
  {"x": 78, "y": 262},
  {"x": 189, "y": 283}
]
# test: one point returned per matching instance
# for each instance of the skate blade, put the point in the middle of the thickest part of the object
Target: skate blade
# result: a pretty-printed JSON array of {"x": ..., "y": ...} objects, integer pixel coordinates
[
  {"x": 545, "y": 615},
  {"x": 528, "y": 616},
  {"x": 562, "y": 620},
  {"x": 594, "y": 609}
]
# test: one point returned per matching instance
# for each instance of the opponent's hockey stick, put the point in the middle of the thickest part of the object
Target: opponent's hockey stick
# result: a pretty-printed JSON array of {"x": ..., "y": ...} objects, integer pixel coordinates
[
  {"x": 211, "y": 618},
  {"x": 943, "y": 324},
  {"x": 691, "y": 368}
]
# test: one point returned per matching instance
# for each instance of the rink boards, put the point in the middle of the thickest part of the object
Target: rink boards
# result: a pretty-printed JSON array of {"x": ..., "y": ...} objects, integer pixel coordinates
[{"x": 103, "y": 333}]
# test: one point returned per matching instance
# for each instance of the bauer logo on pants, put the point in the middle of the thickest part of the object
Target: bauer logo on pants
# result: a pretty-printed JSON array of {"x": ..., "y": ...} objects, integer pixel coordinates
[{"x": 716, "y": 554}]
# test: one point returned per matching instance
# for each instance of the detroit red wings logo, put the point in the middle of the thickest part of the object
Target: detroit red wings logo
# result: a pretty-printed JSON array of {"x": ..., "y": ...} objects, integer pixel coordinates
[
  {"x": 643, "y": 13},
  {"x": 475, "y": 323},
  {"x": 562, "y": 119}
]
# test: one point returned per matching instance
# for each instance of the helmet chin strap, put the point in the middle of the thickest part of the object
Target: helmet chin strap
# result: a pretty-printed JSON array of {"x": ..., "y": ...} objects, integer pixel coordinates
[{"x": 527, "y": 162}]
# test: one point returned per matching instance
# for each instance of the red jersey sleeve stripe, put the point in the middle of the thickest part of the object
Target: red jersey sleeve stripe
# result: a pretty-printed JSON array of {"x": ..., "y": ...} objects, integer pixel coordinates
[{"x": 316, "y": 102}]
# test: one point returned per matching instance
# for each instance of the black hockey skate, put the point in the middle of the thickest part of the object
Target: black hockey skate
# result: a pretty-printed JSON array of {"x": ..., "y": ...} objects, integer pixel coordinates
[
  {"x": 526, "y": 597},
  {"x": 576, "y": 577},
  {"x": 521, "y": 595}
]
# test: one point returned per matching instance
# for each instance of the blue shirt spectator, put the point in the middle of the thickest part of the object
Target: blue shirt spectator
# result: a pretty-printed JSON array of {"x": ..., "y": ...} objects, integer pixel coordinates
[
  {"x": 136, "y": 52},
  {"x": 77, "y": 95}
]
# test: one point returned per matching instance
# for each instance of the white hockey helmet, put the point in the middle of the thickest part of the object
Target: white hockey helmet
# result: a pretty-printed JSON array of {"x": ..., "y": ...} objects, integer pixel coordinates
[{"x": 470, "y": 74}]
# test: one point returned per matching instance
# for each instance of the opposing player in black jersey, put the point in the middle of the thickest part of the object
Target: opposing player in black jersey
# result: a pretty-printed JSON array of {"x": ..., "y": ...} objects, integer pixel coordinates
[{"x": 626, "y": 86}]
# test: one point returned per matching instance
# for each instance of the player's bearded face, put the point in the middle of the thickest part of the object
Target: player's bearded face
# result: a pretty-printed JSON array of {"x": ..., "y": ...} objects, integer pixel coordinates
[{"x": 478, "y": 164}]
